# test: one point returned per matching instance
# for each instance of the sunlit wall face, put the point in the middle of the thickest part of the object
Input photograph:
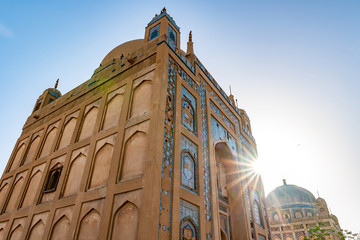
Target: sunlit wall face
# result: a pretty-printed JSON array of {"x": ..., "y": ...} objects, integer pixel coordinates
[{"x": 292, "y": 65}]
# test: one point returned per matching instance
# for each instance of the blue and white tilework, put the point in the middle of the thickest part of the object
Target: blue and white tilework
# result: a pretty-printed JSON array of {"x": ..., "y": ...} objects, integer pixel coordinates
[
  {"x": 206, "y": 164},
  {"x": 189, "y": 178},
  {"x": 189, "y": 210},
  {"x": 165, "y": 208},
  {"x": 188, "y": 113},
  {"x": 220, "y": 133}
]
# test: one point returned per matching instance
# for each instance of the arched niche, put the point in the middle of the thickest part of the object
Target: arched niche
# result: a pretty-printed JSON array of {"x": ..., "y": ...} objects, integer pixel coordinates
[
  {"x": 223, "y": 235},
  {"x": 67, "y": 132},
  {"x": 90, "y": 226},
  {"x": 60, "y": 230},
  {"x": 49, "y": 140},
  {"x": 37, "y": 231},
  {"x": 298, "y": 215},
  {"x": 288, "y": 238},
  {"x": 142, "y": 95},
  {"x": 32, "y": 189},
  {"x": 102, "y": 164},
  {"x": 75, "y": 175},
  {"x": 188, "y": 171},
  {"x": 188, "y": 114},
  {"x": 15, "y": 195},
  {"x": 2, "y": 233},
  {"x": 19, "y": 152},
  {"x": 229, "y": 186},
  {"x": 31, "y": 153},
  {"x": 300, "y": 237},
  {"x": 113, "y": 111},
  {"x": 88, "y": 124},
  {"x": 258, "y": 214},
  {"x": 16, "y": 233},
  {"x": 125, "y": 223},
  {"x": 188, "y": 230},
  {"x": 3, "y": 193},
  {"x": 135, "y": 152}
]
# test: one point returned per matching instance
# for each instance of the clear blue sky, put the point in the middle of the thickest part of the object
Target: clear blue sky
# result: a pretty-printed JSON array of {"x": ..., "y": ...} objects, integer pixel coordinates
[{"x": 293, "y": 66}]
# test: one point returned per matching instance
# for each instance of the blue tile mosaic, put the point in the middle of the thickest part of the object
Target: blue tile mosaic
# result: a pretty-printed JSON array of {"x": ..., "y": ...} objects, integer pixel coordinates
[
  {"x": 189, "y": 210},
  {"x": 220, "y": 133},
  {"x": 188, "y": 113},
  {"x": 165, "y": 207},
  {"x": 189, "y": 166}
]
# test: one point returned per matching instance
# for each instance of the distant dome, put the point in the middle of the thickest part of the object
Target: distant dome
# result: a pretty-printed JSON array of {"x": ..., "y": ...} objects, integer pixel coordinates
[
  {"x": 289, "y": 195},
  {"x": 125, "y": 49}
]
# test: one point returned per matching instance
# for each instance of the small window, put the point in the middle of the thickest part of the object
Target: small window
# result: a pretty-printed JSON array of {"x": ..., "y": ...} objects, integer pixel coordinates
[
  {"x": 154, "y": 32},
  {"x": 53, "y": 179},
  {"x": 38, "y": 104},
  {"x": 51, "y": 100}
]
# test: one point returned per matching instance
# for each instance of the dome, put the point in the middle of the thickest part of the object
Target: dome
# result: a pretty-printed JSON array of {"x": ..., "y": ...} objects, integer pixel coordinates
[
  {"x": 289, "y": 195},
  {"x": 125, "y": 49}
]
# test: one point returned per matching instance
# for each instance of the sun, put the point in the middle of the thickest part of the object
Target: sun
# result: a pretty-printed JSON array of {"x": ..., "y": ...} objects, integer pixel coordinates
[{"x": 258, "y": 167}]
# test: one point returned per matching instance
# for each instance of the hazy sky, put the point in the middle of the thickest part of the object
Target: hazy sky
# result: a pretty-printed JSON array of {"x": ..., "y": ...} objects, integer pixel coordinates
[{"x": 294, "y": 66}]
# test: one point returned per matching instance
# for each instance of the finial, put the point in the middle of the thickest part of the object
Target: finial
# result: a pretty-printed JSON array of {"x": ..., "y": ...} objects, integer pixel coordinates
[
  {"x": 57, "y": 83},
  {"x": 163, "y": 10},
  {"x": 190, "y": 36},
  {"x": 237, "y": 105},
  {"x": 230, "y": 89},
  {"x": 318, "y": 193},
  {"x": 284, "y": 181}
]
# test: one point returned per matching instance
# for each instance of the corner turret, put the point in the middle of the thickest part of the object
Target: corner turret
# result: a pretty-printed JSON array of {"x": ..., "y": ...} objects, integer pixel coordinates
[
  {"x": 48, "y": 96},
  {"x": 163, "y": 24}
]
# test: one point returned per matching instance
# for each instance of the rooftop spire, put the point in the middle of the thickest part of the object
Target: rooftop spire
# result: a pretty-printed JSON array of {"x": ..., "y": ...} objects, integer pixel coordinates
[
  {"x": 56, "y": 84},
  {"x": 190, "y": 48},
  {"x": 284, "y": 181}
]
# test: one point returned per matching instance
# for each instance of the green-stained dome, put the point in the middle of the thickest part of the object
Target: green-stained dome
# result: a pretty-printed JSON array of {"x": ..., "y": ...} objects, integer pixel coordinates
[{"x": 289, "y": 195}]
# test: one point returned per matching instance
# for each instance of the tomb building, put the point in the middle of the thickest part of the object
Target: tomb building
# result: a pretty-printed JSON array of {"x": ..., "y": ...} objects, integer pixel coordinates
[
  {"x": 293, "y": 211},
  {"x": 150, "y": 147}
]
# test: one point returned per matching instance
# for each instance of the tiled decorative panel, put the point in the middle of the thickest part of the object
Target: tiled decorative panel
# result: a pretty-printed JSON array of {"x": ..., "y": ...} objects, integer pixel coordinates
[
  {"x": 165, "y": 208},
  {"x": 206, "y": 164},
  {"x": 188, "y": 110},
  {"x": 189, "y": 158},
  {"x": 189, "y": 210},
  {"x": 220, "y": 133}
]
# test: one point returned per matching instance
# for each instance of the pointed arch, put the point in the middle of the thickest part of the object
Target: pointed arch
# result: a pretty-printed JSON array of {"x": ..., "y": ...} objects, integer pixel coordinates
[
  {"x": 125, "y": 222},
  {"x": 75, "y": 175},
  {"x": 223, "y": 235},
  {"x": 141, "y": 98},
  {"x": 16, "y": 233},
  {"x": 2, "y": 233},
  {"x": 188, "y": 229},
  {"x": 67, "y": 133},
  {"x": 113, "y": 111},
  {"x": 49, "y": 140},
  {"x": 135, "y": 152},
  {"x": 61, "y": 229},
  {"x": 90, "y": 226},
  {"x": 3, "y": 193},
  {"x": 188, "y": 170},
  {"x": 188, "y": 114},
  {"x": 102, "y": 164},
  {"x": 32, "y": 150},
  {"x": 32, "y": 189},
  {"x": 19, "y": 152},
  {"x": 15, "y": 195},
  {"x": 88, "y": 124},
  {"x": 37, "y": 230},
  {"x": 53, "y": 178}
]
